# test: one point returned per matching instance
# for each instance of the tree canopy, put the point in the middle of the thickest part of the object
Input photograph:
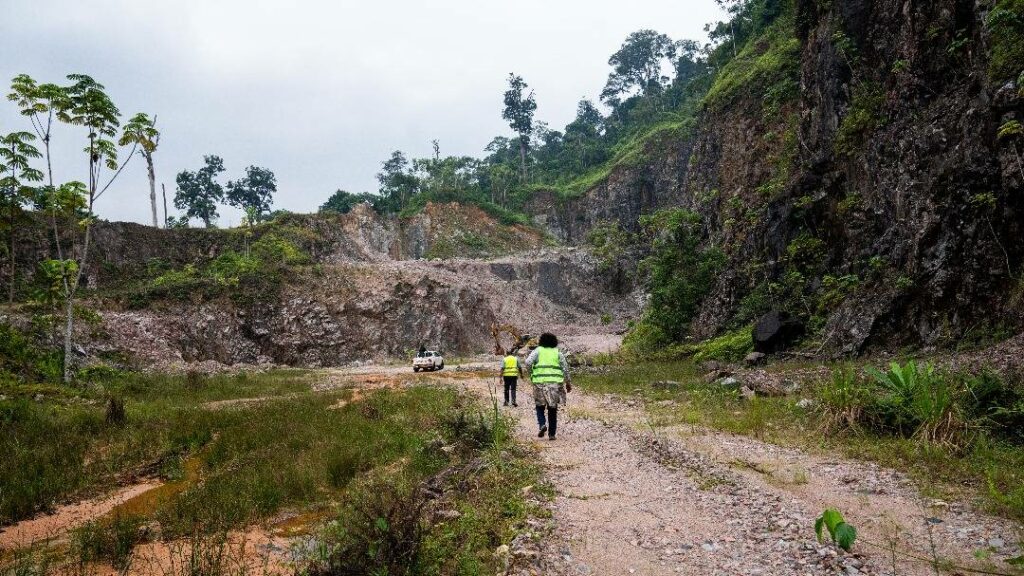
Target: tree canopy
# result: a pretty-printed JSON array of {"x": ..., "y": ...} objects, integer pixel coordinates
[
  {"x": 639, "y": 64},
  {"x": 253, "y": 193},
  {"x": 199, "y": 192}
]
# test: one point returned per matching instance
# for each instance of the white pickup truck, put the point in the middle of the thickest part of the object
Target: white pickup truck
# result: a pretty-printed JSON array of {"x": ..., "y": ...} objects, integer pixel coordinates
[{"x": 429, "y": 360}]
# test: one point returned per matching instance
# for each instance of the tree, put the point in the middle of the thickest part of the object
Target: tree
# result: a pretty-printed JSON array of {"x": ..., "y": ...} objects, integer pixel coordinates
[
  {"x": 582, "y": 136},
  {"x": 89, "y": 106},
  {"x": 254, "y": 193},
  {"x": 41, "y": 104},
  {"x": 519, "y": 109},
  {"x": 638, "y": 64},
  {"x": 343, "y": 202},
  {"x": 141, "y": 131},
  {"x": 397, "y": 183},
  {"x": 688, "y": 63},
  {"x": 199, "y": 193},
  {"x": 15, "y": 174}
]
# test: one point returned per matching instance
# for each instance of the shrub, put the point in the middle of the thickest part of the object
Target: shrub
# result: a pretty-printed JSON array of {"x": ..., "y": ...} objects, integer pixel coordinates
[
  {"x": 680, "y": 271},
  {"x": 645, "y": 339},
  {"x": 995, "y": 404},
  {"x": 22, "y": 359},
  {"x": 863, "y": 117},
  {"x": 249, "y": 277},
  {"x": 380, "y": 532},
  {"x": 917, "y": 400},
  {"x": 728, "y": 347},
  {"x": 608, "y": 242}
]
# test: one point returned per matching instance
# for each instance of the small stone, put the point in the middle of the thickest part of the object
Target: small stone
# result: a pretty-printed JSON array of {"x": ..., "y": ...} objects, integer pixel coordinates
[
  {"x": 755, "y": 358},
  {"x": 728, "y": 382}
]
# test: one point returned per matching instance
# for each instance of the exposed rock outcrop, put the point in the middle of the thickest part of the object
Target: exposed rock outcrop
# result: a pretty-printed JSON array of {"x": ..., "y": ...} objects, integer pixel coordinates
[
  {"x": 879, "y": 195},
  {"x": 360, "y": 311}
]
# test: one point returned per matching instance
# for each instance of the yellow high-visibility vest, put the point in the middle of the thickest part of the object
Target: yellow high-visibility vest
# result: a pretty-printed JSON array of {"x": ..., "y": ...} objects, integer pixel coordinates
[
  {"x": 547, "y": 369},
  {"x": 510, "y": 367}
]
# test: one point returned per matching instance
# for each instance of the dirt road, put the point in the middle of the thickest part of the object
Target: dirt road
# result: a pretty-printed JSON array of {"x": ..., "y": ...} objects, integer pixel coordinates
[{"x": 633, "y": 499}]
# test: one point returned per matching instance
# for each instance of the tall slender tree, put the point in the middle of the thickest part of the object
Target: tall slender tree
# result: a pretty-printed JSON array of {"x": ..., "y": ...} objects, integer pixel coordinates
[
  {"x": 89, "y": 106},
  {"x": 42, "y": 104},
  {"x": 141, "y": 131},
  {"x": 15, "y": 175},
  {"x": 519, "y": 109}
]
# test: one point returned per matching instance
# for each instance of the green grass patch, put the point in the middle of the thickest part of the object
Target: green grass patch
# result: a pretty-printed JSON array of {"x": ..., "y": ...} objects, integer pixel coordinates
[
  {"x": 766, "y": 65},
  {"x": 230, "y": 465},
  {"x": 387, "y": 526},
  {"x": 632, "y": 151},
  {"x": 253, "y": 275},
  {"x": 729, "y": 347}
]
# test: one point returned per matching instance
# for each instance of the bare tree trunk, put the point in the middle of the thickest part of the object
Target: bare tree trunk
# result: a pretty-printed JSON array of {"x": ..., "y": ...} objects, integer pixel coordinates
[
  {"x": 522, "y": 158},
  {"x": 10, "y": 294},
  {"x": 163, "y": 189},
  {"x": 152, "y": 187},
  {"x": 69, "y": 308},
  {"x": 72, "y": 288}
]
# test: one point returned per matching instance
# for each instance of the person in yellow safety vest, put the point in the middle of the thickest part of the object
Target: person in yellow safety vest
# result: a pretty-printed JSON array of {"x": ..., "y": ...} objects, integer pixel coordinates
[
  {"x": 549, "y": 374},
  {"x": 510, "y": 374}
]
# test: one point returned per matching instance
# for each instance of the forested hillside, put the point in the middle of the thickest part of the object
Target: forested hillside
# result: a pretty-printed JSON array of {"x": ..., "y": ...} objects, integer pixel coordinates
[{"x": 854, "y": 164}]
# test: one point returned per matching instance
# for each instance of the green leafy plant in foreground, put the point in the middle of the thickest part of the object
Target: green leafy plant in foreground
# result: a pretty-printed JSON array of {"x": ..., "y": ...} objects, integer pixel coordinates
[{"x": 842, "y": 534}]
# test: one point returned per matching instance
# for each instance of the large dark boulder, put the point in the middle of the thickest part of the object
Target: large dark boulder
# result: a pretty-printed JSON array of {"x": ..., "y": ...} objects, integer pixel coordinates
[{"x": 776, "y": 331}]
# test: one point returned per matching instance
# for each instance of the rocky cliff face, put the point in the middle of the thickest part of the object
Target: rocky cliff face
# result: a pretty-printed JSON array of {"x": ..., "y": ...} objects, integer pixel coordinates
[
  {"x": 878, "y": 195},
  {"x": 373, "y": 287},
  {"x": 358, "y": 311}
]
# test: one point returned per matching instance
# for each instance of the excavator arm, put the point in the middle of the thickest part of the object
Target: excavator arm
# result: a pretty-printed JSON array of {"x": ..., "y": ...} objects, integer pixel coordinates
[{"x": 504, "y": 332}]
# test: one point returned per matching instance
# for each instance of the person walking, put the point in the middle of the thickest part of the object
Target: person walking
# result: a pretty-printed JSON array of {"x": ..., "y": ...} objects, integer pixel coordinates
[
  {"x": 549, "y": 374},
  {"x": 511, "y": 372}
]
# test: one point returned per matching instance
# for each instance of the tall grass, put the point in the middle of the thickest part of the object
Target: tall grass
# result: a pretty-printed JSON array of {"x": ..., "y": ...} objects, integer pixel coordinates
[
  {"x": 449, "y": 523},
  {"x": 59, "y": 443},
  {"x": 229, "y": 466}
]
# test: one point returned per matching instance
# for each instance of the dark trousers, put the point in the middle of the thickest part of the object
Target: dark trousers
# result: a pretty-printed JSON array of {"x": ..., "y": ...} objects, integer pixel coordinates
[
  {"x": 551, "y": 421},
  {"x": 510, "y": 389}
]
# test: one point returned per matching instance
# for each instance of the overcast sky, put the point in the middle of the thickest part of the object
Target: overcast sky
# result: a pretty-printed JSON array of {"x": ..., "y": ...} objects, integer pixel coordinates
[{"x": 318, "y": 91}]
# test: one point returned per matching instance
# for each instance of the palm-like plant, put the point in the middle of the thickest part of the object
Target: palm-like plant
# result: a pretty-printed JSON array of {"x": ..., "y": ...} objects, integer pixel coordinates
[
  {"x": 141, "y": 132},
  {"x": 920, "y": 401}
]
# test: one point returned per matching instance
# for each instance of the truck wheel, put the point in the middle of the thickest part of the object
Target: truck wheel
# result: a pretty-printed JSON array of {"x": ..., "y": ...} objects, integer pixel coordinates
[
  {"x": 441, "y": 367},
  {"x": 415, "y": 369}
]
